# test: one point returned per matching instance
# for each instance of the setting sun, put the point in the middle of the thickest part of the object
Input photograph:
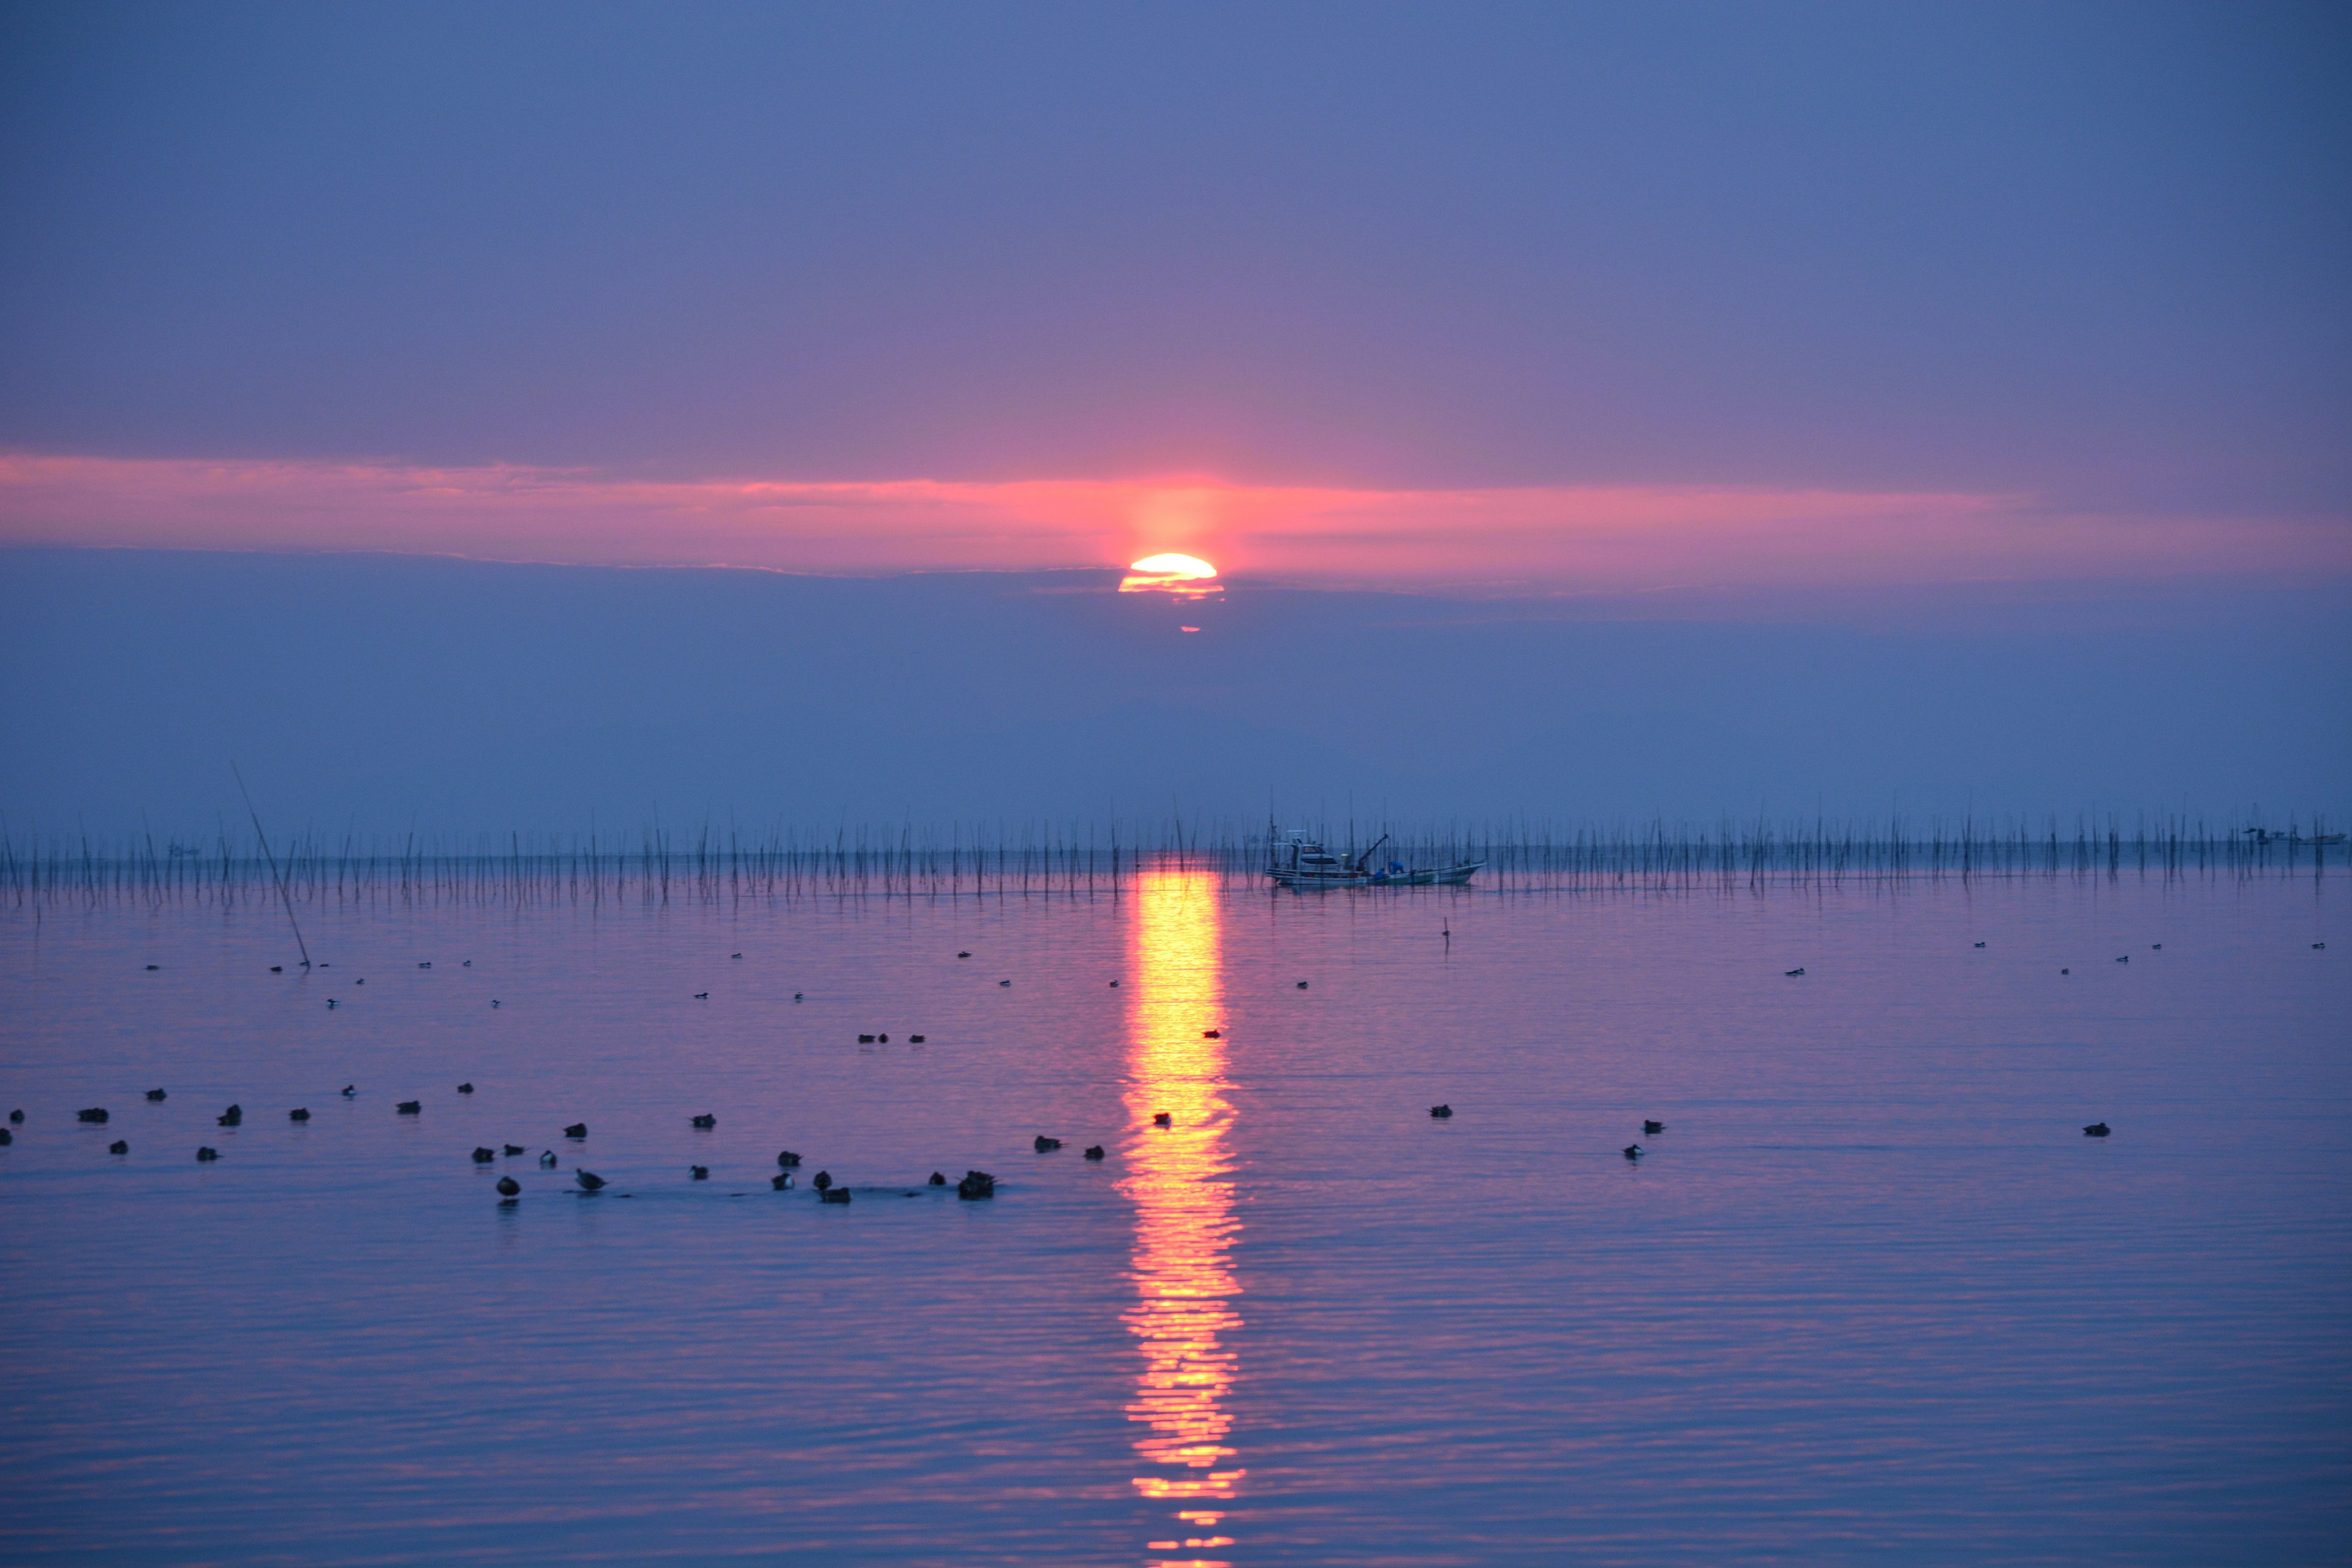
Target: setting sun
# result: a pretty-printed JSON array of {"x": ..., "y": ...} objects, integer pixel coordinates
[{"x": 1187, "y": 575}]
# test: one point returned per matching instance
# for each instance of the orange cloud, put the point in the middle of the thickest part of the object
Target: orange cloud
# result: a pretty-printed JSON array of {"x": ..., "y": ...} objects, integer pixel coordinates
[{"x": 1612, "y": 538}]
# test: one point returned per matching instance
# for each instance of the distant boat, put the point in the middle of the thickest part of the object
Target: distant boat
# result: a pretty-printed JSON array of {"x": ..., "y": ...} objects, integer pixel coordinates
[{"x": 1297, "y": 861}]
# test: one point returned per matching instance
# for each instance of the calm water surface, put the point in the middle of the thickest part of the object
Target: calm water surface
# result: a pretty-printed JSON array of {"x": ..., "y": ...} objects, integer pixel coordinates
[{"x": 1872, "y": 1296}]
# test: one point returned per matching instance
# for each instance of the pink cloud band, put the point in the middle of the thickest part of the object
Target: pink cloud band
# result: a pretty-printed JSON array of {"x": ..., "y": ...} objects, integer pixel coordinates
[{"x": 1617, "y": 538}]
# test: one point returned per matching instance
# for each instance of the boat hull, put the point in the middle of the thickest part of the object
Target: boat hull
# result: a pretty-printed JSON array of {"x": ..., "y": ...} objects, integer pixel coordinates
[{"x": 1454, "y": 875}]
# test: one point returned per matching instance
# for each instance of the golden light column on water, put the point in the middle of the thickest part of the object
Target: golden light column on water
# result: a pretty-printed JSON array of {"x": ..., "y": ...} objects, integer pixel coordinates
[{"x": 1178, "y": 1182}]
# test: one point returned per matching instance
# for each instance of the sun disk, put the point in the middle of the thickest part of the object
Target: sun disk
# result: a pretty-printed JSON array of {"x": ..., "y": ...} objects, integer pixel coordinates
[{"x": 1187, "y": 576}]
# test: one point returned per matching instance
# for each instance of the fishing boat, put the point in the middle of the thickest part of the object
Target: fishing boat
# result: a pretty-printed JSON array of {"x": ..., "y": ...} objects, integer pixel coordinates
[{"x": 1297, "y": 860}]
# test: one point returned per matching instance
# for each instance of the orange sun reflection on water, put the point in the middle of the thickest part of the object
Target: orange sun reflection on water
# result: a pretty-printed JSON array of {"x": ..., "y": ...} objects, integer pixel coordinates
[{"x": 1184, "y": 1223}]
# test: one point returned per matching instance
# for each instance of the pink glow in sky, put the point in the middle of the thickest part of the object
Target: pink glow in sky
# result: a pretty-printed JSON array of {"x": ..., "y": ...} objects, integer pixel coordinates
[{"x": 1608, "y": 538}]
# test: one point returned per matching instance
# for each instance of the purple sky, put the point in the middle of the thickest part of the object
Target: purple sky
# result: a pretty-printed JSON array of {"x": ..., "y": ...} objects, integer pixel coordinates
[
  {"x": 1862, "y": 404},
  {"x": 2076, "y": 262}
]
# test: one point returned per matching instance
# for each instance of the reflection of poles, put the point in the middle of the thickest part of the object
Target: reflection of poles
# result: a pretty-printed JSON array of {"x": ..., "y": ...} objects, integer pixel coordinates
[{"x": 1184, "y": 1223}]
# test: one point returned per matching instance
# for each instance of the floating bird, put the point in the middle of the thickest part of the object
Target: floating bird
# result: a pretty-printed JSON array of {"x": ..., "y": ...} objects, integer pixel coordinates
[
  {"x": 577, "y": 1130},
  {"x": 156, "y": 1094},
  {"x": 424, "y": 966},
  {"x": 511, "y": 1150},
  {"x": 207, "y": 1152},
  {"x": 1792, "y": 974},
  {"x": 938, "y": 1180},
  {"x": 467, "y": 964},
  {"x": 154, "y": 966},
  {"x": 734, "y": 955},
  {"x": 698, "y": 1172},
  {"x": 914, "y": 1040},
  {"x": 330, "y": 1004},
  {"x": 833, "y": 1195},
  {"x": 2066, "y": 971},
  {"x": 2318, "y": 945},
  {"x": 118, "y": 1147},
  {"x": 589, "y": 1180},
  {"x": 1047, "y": 1145},
  {"x": 1094, "y": 1151},
  {"x": 1302, "y": 985},
  {"x": 360, "y": 981},
  {"x": 796, "y": 995},
  {"x": 1162, "y": 1119},
  {"x": 706, "y": 1120},
  {"x": 18, "y": 1117},
  {"x": 1653, "y": 1128},
  {"x": 6, "y": 1137},
  {"x": 484, "y": 1156},
  {"x": 1004, "y": 983},
  {"x": 2124, "y": 959},
  {"x": 2156, "y": 947},
  {"x": 411, "y": 1108},
  {"x": 823, "y": 1180},
  {"x": 787, "y": 1159},
  {"x": 96, "y": 1113},
  {"x": 465, "y": 1088},
  {"x": 299, "y": 1113},
  {"x": 233, "y": 1117},
  {"x": 781, "y": 1180},
  {"x": 547, "y": 1159},
  {"x": 508, "y": 1186},
  {"x": 2095, "y": 1130},
  {"x": 1441, "y": 1111},
  {"x": 1979, "y": 944},
  {"x": 494, "y": 1002},
  {"x": 976, "y": 1185},
  {"x": 1114, "y": 985},
  {"x": 964, "y": 956},
  {"x": 349, "y": 1091},
  {"x": 1635, "y": 1151},
  {"x": 702, "y": 995},
  {"x": 865, "y": 1039},
  {"x": 276, "y": 969}
]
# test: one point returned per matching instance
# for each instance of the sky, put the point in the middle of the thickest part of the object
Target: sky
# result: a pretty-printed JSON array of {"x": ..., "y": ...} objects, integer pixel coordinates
[
  {"x": 380, "y": 694},
  {"x": 1813, "y": 318}
]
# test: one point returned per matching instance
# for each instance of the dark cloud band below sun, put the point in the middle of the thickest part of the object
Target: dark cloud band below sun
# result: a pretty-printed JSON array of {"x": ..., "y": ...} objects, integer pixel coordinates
[{"x": 1523, "y": 540}]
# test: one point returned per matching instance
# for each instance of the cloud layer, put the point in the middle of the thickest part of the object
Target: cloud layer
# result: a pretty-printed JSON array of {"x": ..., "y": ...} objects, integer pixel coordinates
[{"x": 1559, "y": 538}]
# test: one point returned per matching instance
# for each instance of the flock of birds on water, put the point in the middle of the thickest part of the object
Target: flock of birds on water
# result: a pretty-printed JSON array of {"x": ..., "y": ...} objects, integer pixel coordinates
[{"x": 973, "y": 1186}]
